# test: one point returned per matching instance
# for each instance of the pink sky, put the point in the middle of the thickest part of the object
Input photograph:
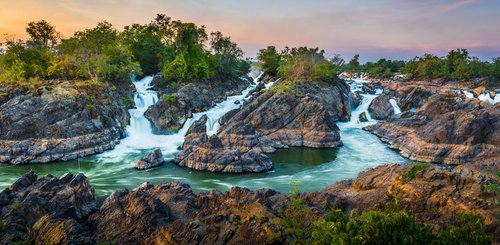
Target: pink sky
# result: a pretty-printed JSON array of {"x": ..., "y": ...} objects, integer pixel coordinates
[{"x": 383, "y": 28}]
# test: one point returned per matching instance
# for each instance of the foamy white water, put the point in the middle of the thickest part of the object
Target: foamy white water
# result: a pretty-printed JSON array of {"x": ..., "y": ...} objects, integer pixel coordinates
[
  {"x": 140, "y": 134},
  {"x": 395, "y": 106}
]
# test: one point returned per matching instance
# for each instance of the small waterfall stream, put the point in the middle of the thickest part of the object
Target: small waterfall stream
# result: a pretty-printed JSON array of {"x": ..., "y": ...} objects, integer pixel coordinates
[{"x": 395, "y": 106}]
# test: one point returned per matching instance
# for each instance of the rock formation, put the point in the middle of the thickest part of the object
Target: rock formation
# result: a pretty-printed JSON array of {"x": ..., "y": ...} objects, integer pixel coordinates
[
  {"x": 64, "y": 122},
  {"x": 52, "y": 210},
  {"x": 152, "y": 160},
  {"x": 381, "y": 108},
  {"x": 448, "y": 128},
  {"x": 272, "y": 119},
  {"x": 173, "y": 109}
]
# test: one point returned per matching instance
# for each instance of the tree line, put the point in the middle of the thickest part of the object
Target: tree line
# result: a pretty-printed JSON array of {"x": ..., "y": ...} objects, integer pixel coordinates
[
  {"x": 183, "y": 52},
  {"x": 312, "y": 64}
]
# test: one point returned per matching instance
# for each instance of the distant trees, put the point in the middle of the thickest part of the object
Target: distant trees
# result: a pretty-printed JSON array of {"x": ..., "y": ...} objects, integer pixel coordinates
[
  {"x": 183, "y": 52},
  {"x": 456, "y": 65}
]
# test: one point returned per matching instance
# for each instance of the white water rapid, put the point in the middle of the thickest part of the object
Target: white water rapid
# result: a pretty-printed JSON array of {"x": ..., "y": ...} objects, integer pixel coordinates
[
  {"x": 395, "y": 106},
  {"x": 140, "y": 135},
  {"x": 356, "y": 86}
]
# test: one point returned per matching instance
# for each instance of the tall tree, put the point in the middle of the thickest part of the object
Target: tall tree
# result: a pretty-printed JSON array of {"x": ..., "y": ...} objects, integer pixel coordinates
[{"x": 42, "y": 33}]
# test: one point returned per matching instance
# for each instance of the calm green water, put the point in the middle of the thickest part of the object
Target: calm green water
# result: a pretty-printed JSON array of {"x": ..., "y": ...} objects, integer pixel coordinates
[{"x": 314, "y": 169}]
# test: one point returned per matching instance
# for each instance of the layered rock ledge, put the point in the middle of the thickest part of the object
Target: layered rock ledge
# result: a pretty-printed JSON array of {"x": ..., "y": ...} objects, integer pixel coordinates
[
  {"x": 63, "y": 122},
  {"x": 448, "y": 128},
  {"x": 303, "y": 114}
]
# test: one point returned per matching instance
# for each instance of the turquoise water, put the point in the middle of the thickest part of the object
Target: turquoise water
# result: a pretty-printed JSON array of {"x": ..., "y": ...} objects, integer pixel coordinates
[{"x": 314, "y": 169}]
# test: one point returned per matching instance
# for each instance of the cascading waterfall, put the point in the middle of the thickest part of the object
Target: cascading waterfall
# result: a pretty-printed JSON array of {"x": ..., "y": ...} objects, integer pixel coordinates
[
  {"x": 140, "y": 135},
  {"x": 357, "y": 86},
  {"x": 395, "y": 106}
]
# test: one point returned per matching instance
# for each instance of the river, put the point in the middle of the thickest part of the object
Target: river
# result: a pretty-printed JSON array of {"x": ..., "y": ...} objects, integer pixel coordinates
[{"x": 313, "y": 169}]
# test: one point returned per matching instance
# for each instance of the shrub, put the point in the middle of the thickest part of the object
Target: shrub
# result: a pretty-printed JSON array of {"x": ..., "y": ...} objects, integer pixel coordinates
[
  {"x": 171, "y": 99},
  {"x": 16, "y": 206},
  {"x": 413, "y": 170},
  {"x": 3, "y": 226}
]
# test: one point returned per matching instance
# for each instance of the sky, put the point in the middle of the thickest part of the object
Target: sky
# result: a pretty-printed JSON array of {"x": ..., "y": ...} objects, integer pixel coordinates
[{"x": 395, "y": 29}]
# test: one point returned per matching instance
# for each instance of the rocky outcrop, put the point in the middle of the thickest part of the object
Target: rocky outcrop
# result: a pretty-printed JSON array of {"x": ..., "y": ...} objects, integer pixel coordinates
[
  {"x": 436, "y": 194},
  {"x": 381, "y": 108},
  {"x": 447, "y": 129},
  {"x": 172, "y": 213},
  {"x": 152, "y": 160},
  {"x": 48, "y": 204},
  {"x": 70, "y": 120},
  {"x": 172, "y": 110},
  {"x": 304, "y": 116}
]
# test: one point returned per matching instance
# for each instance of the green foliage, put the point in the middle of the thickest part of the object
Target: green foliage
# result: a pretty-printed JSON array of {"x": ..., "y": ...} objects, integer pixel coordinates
[
  {"x": 171, "y": 99},
  {"x": 457, "y": 65},
  {"x": 269, "y": 60},
  {"x": 305, "y": 63},
  {"x": 102, "y": 53},
  {"x": 3, "y": 226},
  {"x": 42, "y": 34},
  {"x": 492, "y": 187},
  {"x": 16, "y": 207},
  {"x": 395, "y": 227},
  {"x": 353, "y": 64},
  {"x": 89, "y": 107},
  {"x": 296, "y": 218},
  {"x": 413, "y": 170},
  {"x": 390, "y": 226},
  {"x": 175, "y": 70},
  {"x": 469, "y": 231}
]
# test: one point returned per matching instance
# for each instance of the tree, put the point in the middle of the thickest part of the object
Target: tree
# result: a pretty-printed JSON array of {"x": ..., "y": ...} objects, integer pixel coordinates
[
  {"x": 42, "y": 34},
  {"x": 145, "y": 43},
  {"x": 353, "y": 64},
  {"x": 269, "y": 60}
]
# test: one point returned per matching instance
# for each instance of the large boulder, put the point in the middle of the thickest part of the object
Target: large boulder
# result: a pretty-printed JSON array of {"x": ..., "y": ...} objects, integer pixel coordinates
[
  {"x": 381, "y": 108},
  {"x": 65, "y": 122},
  {"x": 272, "y": 119},
  {"x": 151, "y": 160}
]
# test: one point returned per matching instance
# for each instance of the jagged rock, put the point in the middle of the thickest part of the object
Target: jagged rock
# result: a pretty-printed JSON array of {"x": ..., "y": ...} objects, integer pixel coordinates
[
  {"x": 381, "y": 108},
  {"x": 269, "y": 121},
  {"x": 28, "y": 200},
  {"x": 447, "y": 129},
  {"x": 355, "y": 100},
  {"x": 152, "y": 160},
  {"x": 166, "y": 116},
  {"x": 61, "y": 124},
  {"x": 172, "y": 213}
]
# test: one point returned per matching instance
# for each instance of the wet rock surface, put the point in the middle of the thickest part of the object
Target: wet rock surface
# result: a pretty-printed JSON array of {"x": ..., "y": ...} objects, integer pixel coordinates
[
  {"x": 48, "y": 204},
  {"x": 62, "y": 122},
  {"x": 269, "y": 121},
  {"x": 171, "y": 213},
  {"x": 151, "y": 160},
  {"x": 448, "y": 128},
  {"x": 381, "y": 108},
  {"x": 173, "y": 109}
]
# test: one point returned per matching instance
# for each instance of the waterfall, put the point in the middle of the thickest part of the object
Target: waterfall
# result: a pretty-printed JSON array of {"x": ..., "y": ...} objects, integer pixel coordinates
[
  {"x": 394, "y": 104},
  {"x": 468, "y": 94},
  {"x": 140, "y": 135},
  {"x": 356, "y": 86},
  {"x": 485, "y": 96}
]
